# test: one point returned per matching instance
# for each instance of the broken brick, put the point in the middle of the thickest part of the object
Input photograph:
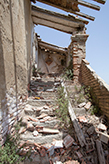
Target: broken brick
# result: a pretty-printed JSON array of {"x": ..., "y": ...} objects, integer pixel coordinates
[
  {"x": 30, "y": 127},
  {"x": 68, "y": 141},
  {"x": 88, "y": 105},
  {"x": 82, "y": 119}
]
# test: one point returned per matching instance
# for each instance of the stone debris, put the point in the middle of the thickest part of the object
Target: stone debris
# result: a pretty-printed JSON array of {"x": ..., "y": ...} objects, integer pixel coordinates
[
  {"x": 102, "y": 127},
  {"x": 82, "y": 119},
  {"x": 104, "y": 137},
  {"x": 58, "y": 144},
  {"x": 35, "y": 133},
  {"x": 88, "y": 105},
  {"x": 30, "y": 127},
  {"x": 91, "y": 130},
  {"x": 40, "y": 124},
  {"x": 82, "y": 105},
  {"x": 49, "y": 131}
]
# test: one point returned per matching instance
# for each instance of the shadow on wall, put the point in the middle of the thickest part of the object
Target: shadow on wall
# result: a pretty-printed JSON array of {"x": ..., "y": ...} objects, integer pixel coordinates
[{"x": 3, "y": 101}]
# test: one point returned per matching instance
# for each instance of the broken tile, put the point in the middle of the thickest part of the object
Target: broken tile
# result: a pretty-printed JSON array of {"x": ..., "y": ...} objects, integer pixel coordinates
[
  {"x": 82, "y": 119},
  {"x": 82, "y": 104},
  {"x": 79, "y": 154},
  {"x": 102, "y": 127},
  {"x": 49, "y": 131},
  {"x": 68, "y": 141},
  {"x": 91, "y": 130},
  {"x": 88, "y": 105},
  {"x": 30, "y": 127}
]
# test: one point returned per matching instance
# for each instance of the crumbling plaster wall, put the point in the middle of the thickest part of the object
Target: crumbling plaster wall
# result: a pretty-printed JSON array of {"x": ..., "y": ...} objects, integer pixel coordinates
[
  {"x": 15, "y": 49},
  {"x": 50, "y": 62}
]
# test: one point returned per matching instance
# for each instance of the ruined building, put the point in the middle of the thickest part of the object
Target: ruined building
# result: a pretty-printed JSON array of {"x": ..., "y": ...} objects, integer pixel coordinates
[{"x": 21, "y": 49}]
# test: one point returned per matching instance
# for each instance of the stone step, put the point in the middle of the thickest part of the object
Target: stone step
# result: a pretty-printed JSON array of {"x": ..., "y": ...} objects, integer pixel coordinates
[
  {"x": 37, "y": 111},
  {"x": 41, "y": 139},
  {"x": 39, "y": 103}
]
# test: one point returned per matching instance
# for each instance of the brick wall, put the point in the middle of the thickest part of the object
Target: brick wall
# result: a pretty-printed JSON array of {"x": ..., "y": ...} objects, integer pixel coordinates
[{"x": 100, "y": 88}]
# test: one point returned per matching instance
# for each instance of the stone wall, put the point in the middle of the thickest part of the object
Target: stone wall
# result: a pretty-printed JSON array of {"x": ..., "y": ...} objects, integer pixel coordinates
[
  {"x": 15, "y": 49},
  {"x": 100, "y": 88},
  {"x": 51, "y": 62}
]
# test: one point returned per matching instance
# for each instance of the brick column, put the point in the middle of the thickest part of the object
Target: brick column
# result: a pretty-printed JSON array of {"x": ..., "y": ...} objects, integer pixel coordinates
[{"x": 78, "y": 53}]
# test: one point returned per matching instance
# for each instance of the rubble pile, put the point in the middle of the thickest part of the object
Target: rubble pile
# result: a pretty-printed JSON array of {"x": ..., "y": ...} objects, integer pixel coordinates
[{"x": 49, "y": 142}]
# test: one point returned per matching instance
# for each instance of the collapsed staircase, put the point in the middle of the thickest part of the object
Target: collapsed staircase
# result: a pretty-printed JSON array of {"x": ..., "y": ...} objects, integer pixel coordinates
[{"x": 41, "y": 132}]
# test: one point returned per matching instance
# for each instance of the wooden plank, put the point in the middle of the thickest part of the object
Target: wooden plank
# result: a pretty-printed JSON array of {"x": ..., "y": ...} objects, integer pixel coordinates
[
  {"x": 83, "y": 15},
  {"x": 87, "y": 4},
  {"x": 100, "y": 1},
  {"x": 100, "y": 152},
  {"x": 77, "y": 128},
  {"x": 56, "y": 17},
  {"x": 68, "y": 10},
  {"x": 52, "y": 47},
  {"x": 53, "y": 25}
]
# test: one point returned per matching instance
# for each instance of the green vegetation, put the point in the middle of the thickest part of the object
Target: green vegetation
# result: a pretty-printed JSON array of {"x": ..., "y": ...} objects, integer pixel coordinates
[
  {"x": 9, "y": 152},
  {"x": 62, "y": 111},
  {"x": 68, "y": 72}
]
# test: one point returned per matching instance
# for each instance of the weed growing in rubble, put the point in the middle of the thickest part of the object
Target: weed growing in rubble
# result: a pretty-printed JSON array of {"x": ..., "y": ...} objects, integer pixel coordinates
[
  {"x": 68, "y": 72},
  {"x": 9, "y": 152},
  {"x": 62, "y": 111}
]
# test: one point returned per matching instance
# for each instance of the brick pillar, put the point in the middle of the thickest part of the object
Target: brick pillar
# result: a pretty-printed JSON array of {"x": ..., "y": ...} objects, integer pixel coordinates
[{"x": 78, "y": 53}]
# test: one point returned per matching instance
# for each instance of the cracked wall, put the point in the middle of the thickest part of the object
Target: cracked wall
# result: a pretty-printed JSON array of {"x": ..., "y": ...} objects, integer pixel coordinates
[{"x": 16, "y": 31}]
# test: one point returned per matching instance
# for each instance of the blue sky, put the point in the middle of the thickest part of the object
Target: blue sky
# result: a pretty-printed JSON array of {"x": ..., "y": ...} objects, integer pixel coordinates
[{"x": 97, "y": 45}]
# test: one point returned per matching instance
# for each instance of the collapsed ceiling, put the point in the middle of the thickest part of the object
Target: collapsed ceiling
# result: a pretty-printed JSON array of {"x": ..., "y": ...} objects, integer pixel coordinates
[{"x": 72, "y": 6}]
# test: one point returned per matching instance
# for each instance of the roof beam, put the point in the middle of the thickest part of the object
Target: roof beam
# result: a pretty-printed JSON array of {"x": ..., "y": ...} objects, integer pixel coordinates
[
  {"x": 100, "y": 1},
  {"x": 52, "y": 47},
  {"x": 87, "y": 4},
  {"x": 84, "y": 15},
  {"x": 57, "y": 21},
  {"x": 68, "y": 10}
]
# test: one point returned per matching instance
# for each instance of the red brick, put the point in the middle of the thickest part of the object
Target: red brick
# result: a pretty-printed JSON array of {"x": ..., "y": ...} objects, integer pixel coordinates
[{"x": 68, "y": 141}]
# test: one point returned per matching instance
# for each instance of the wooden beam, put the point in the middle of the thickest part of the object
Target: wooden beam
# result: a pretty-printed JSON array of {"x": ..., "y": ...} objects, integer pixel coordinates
[
  {"x": 57, "y": 17},
  {"x": 52, "y": 47},
  {"x": 100, "y": 152},
  {"x": 68, "y": 10},
  {"x": 57, "y": 21},
  {"x": 87, "y": 4},
  {"x": 100, "y": 1},
  {"x": 83, "y": 15},
  {"x": 53, "y": 25},
  {"x": 77, "y": 128}
]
